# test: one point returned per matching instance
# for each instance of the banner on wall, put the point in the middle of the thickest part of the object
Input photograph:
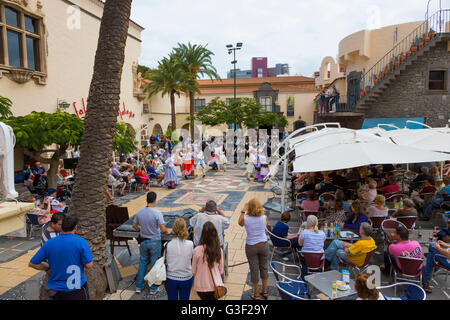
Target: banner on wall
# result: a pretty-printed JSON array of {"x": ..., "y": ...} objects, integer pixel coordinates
[{"x": 81, "y": 111}]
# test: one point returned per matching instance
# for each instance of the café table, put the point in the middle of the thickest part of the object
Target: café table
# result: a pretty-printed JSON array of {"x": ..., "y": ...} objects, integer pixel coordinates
[
  {"x": 345, "y": 235},
  {"x": 275, "y": 205},
  {"x": 323, "y": 282}
]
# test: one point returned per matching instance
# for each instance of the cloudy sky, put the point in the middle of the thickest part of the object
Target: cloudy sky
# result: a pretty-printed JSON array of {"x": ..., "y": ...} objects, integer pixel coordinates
[{"x": 298, "y": 32}]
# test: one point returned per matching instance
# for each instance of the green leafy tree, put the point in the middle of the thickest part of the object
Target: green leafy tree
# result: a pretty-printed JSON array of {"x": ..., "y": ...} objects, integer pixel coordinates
[
  {"x": 242, "y": 111},
  {"x": 40, "y": 134},
  {"x": 5, "y": 107},
  {"x": 196, "y": 61},
  {"x": 169, "y": 79}
]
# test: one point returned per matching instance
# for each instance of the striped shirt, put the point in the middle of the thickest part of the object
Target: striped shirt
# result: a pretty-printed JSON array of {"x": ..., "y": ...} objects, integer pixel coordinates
[
  {"x": 220, "y": 222},
  {"x": 47, "y": 235}
]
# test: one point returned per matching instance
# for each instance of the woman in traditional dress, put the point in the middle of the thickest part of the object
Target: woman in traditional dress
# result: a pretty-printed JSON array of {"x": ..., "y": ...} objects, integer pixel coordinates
[
  {"x": 200, "y": 167},
  {"x": 263, "y": 168},
  {"x": 170, "y": 176},
  {"x": 188, "y": 164},
  {"x": 251, "y": 163}
]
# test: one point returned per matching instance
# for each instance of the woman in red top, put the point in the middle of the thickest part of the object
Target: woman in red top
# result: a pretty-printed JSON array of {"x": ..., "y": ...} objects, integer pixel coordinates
[
  {"x": 428, "y": 187},
  {"x": 143, "y": 179},
  {"x": 391, "y": 188}
]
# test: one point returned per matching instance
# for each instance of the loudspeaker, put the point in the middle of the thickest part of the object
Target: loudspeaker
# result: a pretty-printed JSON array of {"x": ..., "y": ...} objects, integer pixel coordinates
[{"x": 70, "y": 163}]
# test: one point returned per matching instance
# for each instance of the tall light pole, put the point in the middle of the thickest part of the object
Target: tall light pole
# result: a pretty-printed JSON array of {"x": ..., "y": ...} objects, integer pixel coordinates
[{"x": 233, "y": 49}]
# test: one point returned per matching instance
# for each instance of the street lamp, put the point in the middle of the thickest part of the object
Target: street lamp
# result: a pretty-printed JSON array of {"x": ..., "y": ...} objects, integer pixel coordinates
[{"x": 233, "y": 49}]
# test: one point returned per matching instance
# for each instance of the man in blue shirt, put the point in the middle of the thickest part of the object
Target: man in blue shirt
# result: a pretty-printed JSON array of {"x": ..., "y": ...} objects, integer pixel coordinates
[{"x": 67, "y": 255}]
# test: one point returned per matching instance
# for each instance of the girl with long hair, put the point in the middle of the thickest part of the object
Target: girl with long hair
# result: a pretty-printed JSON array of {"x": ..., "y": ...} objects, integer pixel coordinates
[{"x": 207, "y": 263}]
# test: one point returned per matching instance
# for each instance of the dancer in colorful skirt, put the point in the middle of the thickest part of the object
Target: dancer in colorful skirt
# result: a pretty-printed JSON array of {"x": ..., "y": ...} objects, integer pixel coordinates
[
  {"x": 262, "y": 168},
  {"x": 170, "y": 176},
  {"x": 188, "y": 164},
  {"x": 200, "y": 167}
]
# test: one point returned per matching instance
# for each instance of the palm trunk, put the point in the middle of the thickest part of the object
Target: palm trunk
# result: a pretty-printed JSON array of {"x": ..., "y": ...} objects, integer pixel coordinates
[
  {"x": 172, "y": 106},
  {"x": 89, "y": 193},
  {"x": 191, "y": 113}
]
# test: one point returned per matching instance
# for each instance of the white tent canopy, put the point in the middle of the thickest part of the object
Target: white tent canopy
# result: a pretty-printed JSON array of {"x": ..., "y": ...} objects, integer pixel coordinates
[
  {"x": 352, "y": 148},
  {"x": 436, "y": 139}
]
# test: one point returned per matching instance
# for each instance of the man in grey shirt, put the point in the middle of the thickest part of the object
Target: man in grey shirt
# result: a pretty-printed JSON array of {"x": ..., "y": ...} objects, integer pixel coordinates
[{"x": 150, "y": 223}]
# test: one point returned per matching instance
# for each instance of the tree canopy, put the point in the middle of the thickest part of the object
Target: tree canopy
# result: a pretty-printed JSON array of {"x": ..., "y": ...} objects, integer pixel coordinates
[
  {"x": 242, "y": 111},
  {"x": 5, "y": 107}
]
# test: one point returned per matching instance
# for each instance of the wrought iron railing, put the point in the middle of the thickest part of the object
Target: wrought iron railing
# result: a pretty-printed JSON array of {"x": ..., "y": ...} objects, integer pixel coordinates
[{"x": 409, "y": 46}]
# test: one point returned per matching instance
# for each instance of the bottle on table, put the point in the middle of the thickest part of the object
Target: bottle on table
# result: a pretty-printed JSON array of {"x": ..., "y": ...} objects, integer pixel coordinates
[
  {"x": 419, "y": 233},
  {"x": 395, "y": 203},
  {"x": 400, "y": 204},
  {"x": 334, "y": 291},
  {"x": 329, "y": 232}
]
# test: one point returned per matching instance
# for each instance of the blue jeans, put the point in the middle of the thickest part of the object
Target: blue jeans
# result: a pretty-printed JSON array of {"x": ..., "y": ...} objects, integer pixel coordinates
[
  {"x": 430, "y": 205},
  {"x": 334, "y": 251},
  {"x": 149, "y": 250},
  {"x": 178, "y": 290},
  {"x": 426, "y": 272}
]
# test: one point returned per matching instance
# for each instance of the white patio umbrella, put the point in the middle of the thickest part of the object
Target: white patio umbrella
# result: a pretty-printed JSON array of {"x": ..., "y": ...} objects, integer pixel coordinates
[
  {"x": 435, "y": 139},
  {"x": 354, "y": 149}
]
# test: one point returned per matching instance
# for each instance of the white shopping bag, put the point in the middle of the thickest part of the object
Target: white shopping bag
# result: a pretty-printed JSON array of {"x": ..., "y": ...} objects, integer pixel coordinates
[{"x": 157, "y": 275}]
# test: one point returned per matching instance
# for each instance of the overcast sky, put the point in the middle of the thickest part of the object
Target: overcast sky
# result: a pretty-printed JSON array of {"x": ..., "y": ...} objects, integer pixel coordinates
[{"x": 298, "y": 32}]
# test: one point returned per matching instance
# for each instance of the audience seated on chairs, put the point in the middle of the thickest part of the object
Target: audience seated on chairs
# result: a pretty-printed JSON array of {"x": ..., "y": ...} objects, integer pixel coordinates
[
  {"x": 351, "y": 253},
  {"x": 312, "y": 204},
  {"x": 336, "y": 213},
  {"x": 423, "y": 176},
  {"x": 407, "y": 209},
  {"x": 441, "y": 248},
  {"x": 400, "y": 246},
  {"x": 141, "y": 177},
  {"x": 441, "y": 196},
  {"x": 338, "y": 179},
  {"x": 311, "y": 239},
  {"x": 281, "y": 229},
  {"x": 210, "y": 212},
  {"x": 310, "y": 184},
  {"x": 114, "y": 183},
  {"x": 339, "y": 195},
  {"x": 326, "y": 186},
  {"x": 55, "y": 203},
  {"x": 362, "y": 290},
  {"x": 391, "y": 188},
  {"x": 378, "y": 209},
  {"x": 28, "y": 181},
  {"x": 368, "y": 192},
  {"x": 356, "y": 219}
]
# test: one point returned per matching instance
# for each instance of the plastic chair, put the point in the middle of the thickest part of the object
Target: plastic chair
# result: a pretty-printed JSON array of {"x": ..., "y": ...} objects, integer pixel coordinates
[
  {"x": 411, "y": 270},
  {"x": 32, "y": 223},
  {"x": 439, "y": 265},
  {"x": 353, "y": 266},
  {"x": 412, "y": 291},
  {"x": 407, "y": 221},
  {"x": 389, "y": 224},
  {"x": 287, "y": 247},
  {"x": 313, "y": 260}
]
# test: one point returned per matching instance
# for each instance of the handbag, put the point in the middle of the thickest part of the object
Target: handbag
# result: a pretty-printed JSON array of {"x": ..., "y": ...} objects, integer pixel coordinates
[
  {"x": 219, "y": 291},
  {"x": 157, "y": 274}
]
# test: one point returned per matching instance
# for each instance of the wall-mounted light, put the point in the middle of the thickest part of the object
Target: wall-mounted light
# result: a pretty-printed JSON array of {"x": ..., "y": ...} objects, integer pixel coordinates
[{"x": 62, "y": 104}]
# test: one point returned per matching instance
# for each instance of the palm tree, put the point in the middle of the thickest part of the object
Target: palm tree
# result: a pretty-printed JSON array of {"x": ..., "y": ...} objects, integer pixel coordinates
[
  {"x": 169, "y": 79},
  {"x": 5, "y": 107},
  {"x": 89, "y": 194},
  {"x": 196, "y": 61}
]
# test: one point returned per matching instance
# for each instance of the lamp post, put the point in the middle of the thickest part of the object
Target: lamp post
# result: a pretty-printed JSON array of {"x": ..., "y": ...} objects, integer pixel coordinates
[{"x": 233, "y": 49}]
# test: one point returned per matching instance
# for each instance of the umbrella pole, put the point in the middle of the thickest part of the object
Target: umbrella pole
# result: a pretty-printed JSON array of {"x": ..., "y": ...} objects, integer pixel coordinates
[
  {"x": 283, "y": 187},
  {"x": 442, "y": 171}
]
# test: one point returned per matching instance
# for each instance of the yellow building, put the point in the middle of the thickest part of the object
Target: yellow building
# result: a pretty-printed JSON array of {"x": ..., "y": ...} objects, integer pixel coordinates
[{"x": 292, "y": 96}]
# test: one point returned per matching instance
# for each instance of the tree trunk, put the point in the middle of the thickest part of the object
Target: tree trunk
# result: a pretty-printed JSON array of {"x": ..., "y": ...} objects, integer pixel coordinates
[
  {"x": 172, "y": 106},
  {"x": 89, "y": 193},
  {"x": 191, "y": 112}
]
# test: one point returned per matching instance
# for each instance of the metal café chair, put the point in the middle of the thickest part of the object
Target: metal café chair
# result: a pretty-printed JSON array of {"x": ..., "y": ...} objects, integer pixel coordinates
[
  {"x": 439, "y": 266},
  {"x": 353, "y": 266},
  {"x": 389, "y": 224},
  {"x": 412, "y": 291},
  {"x": 32, "y": 224},
  {"x": 395, "y": 197},
  {"x": 411, "y": 270},
  {"x": 291, "y": 288},
  {"x": 312, "y": 260},
  {"x": 407, "y": 221},
  {"x": 376, "y": 223},
  {"x": 287, "y": 247}
]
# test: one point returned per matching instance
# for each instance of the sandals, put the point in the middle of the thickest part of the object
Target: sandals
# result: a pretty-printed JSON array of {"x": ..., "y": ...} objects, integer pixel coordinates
[
  {"x": 265, "y": 295},
  {"x": 253, "y": 297}
]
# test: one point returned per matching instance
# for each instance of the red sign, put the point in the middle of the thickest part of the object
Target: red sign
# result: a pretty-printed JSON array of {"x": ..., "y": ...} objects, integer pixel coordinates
[{"x": 81, "y": 112}]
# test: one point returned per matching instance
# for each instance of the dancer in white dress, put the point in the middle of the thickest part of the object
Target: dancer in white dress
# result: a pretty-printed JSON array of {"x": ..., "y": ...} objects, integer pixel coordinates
[{"x": 200, "y": 166}]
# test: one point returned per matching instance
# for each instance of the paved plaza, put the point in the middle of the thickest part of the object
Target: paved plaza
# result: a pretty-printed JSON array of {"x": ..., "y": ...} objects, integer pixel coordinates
[{"x": 19, "y": 282}]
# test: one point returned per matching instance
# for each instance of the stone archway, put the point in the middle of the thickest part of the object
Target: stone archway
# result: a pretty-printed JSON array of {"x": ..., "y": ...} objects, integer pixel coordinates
[{"x": 157, "y": 130}]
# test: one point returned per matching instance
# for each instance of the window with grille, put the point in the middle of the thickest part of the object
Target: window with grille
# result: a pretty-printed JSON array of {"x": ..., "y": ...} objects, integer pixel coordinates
[
  {"x": 436, "y": 80},
  {"x": 266, "y": 103},
  {"x": 198, "y": 103},
  {"x": 20, "y": 38}
]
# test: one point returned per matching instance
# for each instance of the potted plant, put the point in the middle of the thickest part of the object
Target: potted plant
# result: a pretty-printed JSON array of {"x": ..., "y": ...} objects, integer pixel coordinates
[
  {"x": 375, "y": 80},
  {"x": 361, "y": 93},
  {"x": 403, "y": 57},
  {"x": 432, "y": 34},
  {"x": 426, "y": 38},
  {"x": 414, "y": 48},
  {"x": 397, "y": 62},
  {"x": 367, "y": 89},
  {"x": 391, "y": 66},
  {"x": 408, "y": 53},
  {"x": 420, "y": 43},
  {"x": 386, "y": 72}
]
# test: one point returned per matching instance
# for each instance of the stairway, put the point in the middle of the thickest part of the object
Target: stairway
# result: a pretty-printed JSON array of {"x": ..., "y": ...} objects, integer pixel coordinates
[{"x": 386, "y": 71}]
